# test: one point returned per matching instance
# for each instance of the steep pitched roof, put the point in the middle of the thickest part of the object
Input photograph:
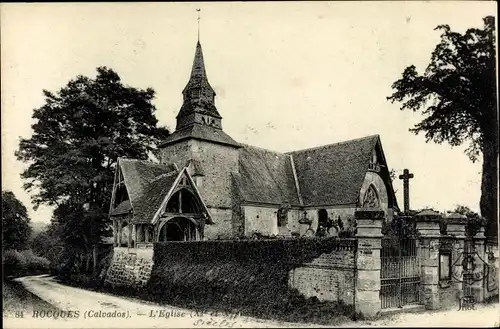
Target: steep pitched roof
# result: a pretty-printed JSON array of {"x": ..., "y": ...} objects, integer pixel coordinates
[
  {"x": 144, "y": 182},
  {"x": 123, "y": 208},
  {"x": 333, "y": 174},
  {"x": 151, "y": 200},
  {"x": 201, "y": 132},
  {"x": 265, "y": 176}
]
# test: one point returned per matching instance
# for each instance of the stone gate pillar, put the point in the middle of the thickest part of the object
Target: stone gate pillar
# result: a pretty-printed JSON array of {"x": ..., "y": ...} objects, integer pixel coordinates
[
  {"x": 455, "y": 226},
  {"x": 480, "y": 261},
  {"x": 428, "y": 226},
  {"x": 369, "y": 226}
]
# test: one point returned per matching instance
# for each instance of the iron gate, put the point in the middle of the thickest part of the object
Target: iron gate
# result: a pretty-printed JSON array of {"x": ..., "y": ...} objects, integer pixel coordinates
[
  {"x": 400, "y": 272},
  {"x": 468, "y": 267}
]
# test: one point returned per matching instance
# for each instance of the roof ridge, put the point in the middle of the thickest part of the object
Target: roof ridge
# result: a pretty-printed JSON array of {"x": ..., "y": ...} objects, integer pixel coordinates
[
  {"x": 148, "y": 162},
  {"x": 332, "y": 144},
  {"x": 168, "y": 174},
  {"x": 261, "y": 149}
]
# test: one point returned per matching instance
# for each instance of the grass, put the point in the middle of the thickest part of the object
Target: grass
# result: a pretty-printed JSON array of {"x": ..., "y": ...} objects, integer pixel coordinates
[{"x": 17, "y": 300}]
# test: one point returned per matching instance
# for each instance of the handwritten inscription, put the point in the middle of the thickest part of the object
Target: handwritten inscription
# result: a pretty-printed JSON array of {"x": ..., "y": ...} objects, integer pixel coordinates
[{"x": 467, "y": 303}]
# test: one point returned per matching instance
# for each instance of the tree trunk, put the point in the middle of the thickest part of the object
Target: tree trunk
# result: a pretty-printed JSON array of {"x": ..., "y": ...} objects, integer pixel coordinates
[
  {"x": 489, "y": 187},
  {"x": 94, "y": 256},
  {"x": 87, "y": 261}
]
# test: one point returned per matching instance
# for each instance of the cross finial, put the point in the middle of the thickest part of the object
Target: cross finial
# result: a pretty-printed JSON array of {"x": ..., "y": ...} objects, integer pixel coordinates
[{"x": 198, "y": 10}]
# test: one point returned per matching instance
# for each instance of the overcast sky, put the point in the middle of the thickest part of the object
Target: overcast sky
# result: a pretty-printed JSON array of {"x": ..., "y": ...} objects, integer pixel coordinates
[{"x": 288, "y": 76}]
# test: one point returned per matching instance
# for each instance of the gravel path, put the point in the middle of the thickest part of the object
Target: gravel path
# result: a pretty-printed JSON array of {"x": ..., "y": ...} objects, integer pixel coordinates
[
  {"x": 81, "y": 308},
  {"x": 90, "y": 309}
]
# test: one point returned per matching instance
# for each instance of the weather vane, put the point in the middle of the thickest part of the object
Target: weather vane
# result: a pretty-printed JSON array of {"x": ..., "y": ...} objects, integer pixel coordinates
[{"x": 198, "y": 10}]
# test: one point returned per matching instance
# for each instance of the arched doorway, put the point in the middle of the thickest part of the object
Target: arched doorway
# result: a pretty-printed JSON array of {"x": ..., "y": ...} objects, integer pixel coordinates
[
  {"x": 173, "y": 232},
  {"x": 178, "y": 229}
]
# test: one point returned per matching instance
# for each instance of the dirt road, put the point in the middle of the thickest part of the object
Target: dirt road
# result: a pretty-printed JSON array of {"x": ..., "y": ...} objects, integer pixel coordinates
[{"x": 81, "y": 308}]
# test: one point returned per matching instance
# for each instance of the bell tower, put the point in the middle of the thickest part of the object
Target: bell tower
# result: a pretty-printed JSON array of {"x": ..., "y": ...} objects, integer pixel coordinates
[{"x": 198, "y": 105}]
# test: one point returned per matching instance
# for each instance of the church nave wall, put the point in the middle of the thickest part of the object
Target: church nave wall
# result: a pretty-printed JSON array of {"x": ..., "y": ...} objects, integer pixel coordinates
[{"x": 223, "y": 227}]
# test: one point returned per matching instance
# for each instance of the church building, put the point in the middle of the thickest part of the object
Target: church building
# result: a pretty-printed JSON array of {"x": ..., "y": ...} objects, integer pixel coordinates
[{"x": 209, "y": 186}]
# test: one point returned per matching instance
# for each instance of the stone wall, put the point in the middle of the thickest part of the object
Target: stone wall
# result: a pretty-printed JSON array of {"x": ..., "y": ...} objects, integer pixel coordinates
[
  {"x": 261, "y": 220},
  {"x": 222, "y": 228},
  {"x": 178, "y": 153},
  {"x": 215, "y": 187},
  {"x": 449, "y": 288},
  {"x": 130, "y": 267},
  {"x": 217, "y": 161},
  {"x": 330, "y": 277}
]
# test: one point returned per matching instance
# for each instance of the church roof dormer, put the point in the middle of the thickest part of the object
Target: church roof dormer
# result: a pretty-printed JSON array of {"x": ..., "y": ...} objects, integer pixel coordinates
[{"x": 199, "y": 96}]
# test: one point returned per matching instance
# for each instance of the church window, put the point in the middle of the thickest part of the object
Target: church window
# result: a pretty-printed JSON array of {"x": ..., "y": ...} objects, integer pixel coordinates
[
  {"x": 371, "y": 200},
  {"x": 374, "y": 157}
]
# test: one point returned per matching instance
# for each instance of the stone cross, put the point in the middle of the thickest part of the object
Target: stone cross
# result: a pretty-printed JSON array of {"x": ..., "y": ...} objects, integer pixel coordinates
[{"x": 406, "y": 176}]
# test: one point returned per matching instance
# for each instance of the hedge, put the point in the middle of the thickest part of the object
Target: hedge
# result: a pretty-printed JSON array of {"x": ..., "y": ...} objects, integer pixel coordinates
[{"x": 246, "y": 275}]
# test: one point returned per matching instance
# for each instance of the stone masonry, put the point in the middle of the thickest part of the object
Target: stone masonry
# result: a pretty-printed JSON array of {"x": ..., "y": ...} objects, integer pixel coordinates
[
  {"x": 368, "y": 262},
  {"x": 428, "y": 226},
  {"x": 130, "y": 269},
  {"x": 330, "y": 277}
]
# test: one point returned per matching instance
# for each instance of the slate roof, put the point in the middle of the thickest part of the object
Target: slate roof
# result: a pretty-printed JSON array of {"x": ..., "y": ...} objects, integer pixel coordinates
[
  {"x": 265, "y": 176},
  {"x": 151, "y": 200},
  {"x": 146, "y": 182},
  {"x": 198, "y": 85},
  {"x": 123, "y": 208},
  {"x": 333, "y": 174},
  {"x": 201, "y": 106},
  {"x": 202, "y": 132}
]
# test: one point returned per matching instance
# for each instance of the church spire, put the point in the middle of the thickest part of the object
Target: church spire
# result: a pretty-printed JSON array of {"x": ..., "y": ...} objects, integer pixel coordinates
[{"x": 199, "y": 96}]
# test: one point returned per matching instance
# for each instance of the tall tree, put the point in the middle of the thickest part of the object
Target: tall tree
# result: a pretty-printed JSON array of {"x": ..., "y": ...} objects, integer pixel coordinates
[
  {"x": 16, "y": 228},
  {"x": 78, "y": 135},
  {"x": 457, "y": 95},
  {"x": 474, "y": 220}
]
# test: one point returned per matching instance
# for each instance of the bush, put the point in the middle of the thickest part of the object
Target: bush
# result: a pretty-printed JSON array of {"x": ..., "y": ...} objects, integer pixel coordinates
[
  {"x": 35, "y": 264},
  {"x": 13, "y": 263},
  {"x": 25, "y": 262}
]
